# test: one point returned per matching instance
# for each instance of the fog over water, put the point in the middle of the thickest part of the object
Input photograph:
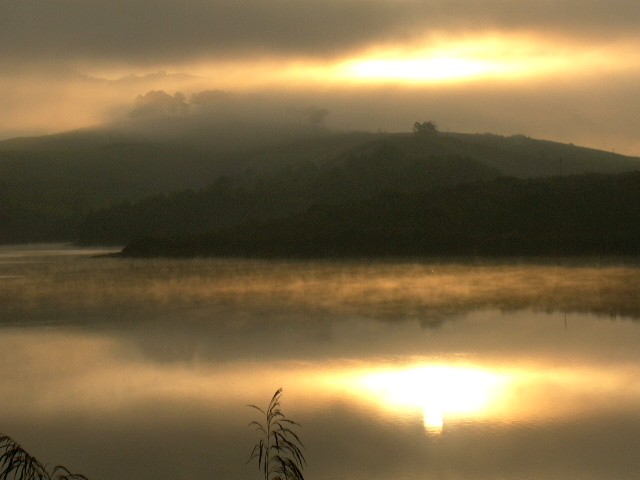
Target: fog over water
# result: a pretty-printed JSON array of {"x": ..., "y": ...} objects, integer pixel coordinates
[{"x": 425, "y": 369}]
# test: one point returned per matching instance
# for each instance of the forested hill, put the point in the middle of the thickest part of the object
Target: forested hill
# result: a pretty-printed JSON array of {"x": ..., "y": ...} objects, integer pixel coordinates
[
  {"x": 279, "y": 193},
  {"x": 111, "y": 186},
  {"x": 590, "y": 214}
]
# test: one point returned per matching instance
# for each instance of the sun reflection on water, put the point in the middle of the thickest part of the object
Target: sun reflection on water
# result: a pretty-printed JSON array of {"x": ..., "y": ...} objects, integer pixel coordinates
[{"x": 438, "y": 392}]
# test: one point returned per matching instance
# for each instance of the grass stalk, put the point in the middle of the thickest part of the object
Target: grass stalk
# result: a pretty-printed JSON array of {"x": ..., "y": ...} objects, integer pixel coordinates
[
  {"x": 279, "y": 450},
  {"x": 17, "y": 464}
]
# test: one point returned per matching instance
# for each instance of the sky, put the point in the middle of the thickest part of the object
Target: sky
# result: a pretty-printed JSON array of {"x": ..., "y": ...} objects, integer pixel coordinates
[{"x": 564, "y": 70}]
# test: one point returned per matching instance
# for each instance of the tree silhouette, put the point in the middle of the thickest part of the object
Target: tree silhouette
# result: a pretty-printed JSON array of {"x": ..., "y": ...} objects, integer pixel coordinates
[{"x": 425, "y": 128}]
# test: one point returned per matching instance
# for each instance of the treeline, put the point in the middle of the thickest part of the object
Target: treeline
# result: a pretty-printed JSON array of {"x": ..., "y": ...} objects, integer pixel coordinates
[
  {"x": 110, "y": 187},
  {"x": 266, "y": 197},
  {"x": 589, "y": 214},
  {"x": 45, "y": 195}
]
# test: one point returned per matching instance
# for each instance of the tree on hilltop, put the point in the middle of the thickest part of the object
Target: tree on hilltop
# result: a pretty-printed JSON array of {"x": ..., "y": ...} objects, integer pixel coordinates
[{"x": 425, "y": 128}]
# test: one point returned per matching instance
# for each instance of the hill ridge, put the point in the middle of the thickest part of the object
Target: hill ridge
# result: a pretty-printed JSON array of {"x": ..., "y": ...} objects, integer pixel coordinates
[{"x": 51, "y": 186}]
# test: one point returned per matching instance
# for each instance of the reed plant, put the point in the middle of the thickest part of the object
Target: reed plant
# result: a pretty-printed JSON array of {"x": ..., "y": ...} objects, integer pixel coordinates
[
  {"x": 17, "y": 464},
  {"x": 278, "y": 451}
]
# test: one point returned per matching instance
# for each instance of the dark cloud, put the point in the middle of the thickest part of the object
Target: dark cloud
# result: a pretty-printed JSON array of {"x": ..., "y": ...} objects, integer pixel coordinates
[
  {"x": 157, "y": 31},
  {"x": 161, "y": 30}
]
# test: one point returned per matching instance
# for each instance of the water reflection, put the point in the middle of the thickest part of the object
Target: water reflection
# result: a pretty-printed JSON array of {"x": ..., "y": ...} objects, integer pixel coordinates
[
  {"x": 439, "y": 391},
  {"x": 445, "y": 395},
  {"x": 64, "y": 392},
  {"x": 143, "y": 370}
]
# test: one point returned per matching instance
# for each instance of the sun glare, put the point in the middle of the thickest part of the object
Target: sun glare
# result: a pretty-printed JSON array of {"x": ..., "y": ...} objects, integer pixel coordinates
[
  {"x": 489, "y": 57},
  {"x": 438, "y": 392},
  {"x": 419, "y": 70},
  {"x": 435, "y": 60}
]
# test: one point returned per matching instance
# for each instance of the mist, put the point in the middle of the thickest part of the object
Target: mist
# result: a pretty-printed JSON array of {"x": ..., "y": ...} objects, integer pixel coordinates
[
  {"x": 559, "y": 71},
  {"x": 586, "y": 111}
]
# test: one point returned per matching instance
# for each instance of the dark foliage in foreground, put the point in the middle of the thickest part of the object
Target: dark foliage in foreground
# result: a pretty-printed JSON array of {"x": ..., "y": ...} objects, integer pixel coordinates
[
  {"x": 279, "y": 450},
  {"x": 17, "y": 464},
  {"x": 576, "y": 215}
]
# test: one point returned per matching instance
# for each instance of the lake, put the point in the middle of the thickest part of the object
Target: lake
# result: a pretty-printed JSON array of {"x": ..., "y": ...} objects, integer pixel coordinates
[{"x": 430, "y": 369}]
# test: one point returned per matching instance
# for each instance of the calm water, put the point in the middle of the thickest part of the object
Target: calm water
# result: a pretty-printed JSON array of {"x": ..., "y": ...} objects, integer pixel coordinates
[{"x": 128, "y": 369}]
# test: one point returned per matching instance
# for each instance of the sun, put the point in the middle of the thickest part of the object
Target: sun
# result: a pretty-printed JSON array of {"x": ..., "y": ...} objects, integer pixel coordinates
[
  {"x": 450, "y": 60},
  {"x": 437, "y": 69}
]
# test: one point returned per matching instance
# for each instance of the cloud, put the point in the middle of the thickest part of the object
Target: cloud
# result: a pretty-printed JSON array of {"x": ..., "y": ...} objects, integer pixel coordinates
[
  {"x": 208, "y": 106},
  {"x": 594, "y": 111},
  {"x": 151, "y": 32},
  {"x": 73, "y": 63}
]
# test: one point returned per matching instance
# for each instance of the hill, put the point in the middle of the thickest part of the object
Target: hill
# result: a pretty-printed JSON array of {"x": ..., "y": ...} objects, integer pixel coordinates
[
  {"x": 79, "y": 185},
  {"x": 584, "y": 215}
]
